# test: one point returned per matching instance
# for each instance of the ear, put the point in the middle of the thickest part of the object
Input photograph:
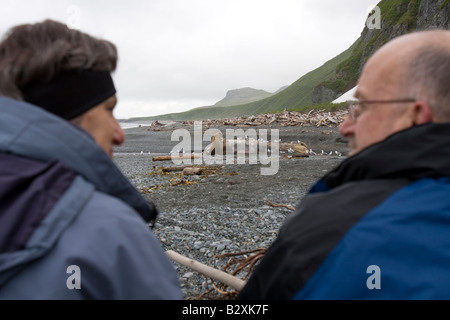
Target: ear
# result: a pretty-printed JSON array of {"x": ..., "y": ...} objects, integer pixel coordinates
[{"x": 422, "y": 113}]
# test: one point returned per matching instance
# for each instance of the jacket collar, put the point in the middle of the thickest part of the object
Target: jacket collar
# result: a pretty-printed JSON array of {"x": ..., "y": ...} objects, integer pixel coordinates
[{"x": 418, "y": 152}]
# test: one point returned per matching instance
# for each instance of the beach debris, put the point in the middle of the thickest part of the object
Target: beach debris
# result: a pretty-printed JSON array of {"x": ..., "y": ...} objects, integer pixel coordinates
[
  {"x": 278, "y": 205},
  {"x": 231, "y": 279},
  {"x": 191, "y": 171},
  {"x": 216, "y": 274},
  {"x": 174, "y": 168},
  {"x": 317, "y": 118},
  {"x": 176, "y": 157},
  {"x": 158, "y": 123},
  {"x": 187, "y": 170},
  {"x": 185, "y": 175},
  {"x": 236, "y": 266},
  {"x": 299, "y": 149},
  {"x": 221, "y": 146}
]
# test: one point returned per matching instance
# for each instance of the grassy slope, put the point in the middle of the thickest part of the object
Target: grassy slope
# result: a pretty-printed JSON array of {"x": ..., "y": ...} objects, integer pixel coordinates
[{"x": 296, "y": 96}]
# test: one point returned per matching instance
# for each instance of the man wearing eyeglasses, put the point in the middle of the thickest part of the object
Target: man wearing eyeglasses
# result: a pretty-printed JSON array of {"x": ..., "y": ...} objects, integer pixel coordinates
[
  {"x": 405, "y": 83},
  {"x": 377, "y": 226}
]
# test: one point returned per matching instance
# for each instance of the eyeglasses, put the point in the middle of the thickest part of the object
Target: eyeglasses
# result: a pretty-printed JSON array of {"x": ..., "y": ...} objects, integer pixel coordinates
[{"x": 354, "y": 112}]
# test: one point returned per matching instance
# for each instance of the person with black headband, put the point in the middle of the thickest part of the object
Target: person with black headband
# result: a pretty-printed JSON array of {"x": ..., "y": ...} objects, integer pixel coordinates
[{"x": 71, "y": 225}]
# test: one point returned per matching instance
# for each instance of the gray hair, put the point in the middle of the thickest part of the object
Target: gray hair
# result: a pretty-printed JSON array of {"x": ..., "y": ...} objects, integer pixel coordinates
[
  {"x": 40, "y": 51},
  {"x": 428, "y": 78}
]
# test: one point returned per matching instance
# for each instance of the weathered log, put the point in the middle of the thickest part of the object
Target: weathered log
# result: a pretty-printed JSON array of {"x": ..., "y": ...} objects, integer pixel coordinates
[
  {"x": 208, "y": 271},
  {"x": 174, "y": 168},
  {"x": 279, "y": 205},
  {"x": 190, "y": 171},
  {"x": 161, "y": 158},
  {"x": 175, "y": 157},
  {"x": 295, "y": 156},
  {"x": 299, "y": 148}
]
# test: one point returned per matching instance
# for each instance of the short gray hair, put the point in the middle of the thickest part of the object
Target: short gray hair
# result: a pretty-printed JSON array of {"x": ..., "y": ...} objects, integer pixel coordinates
[{"x": 428, "y": 78}]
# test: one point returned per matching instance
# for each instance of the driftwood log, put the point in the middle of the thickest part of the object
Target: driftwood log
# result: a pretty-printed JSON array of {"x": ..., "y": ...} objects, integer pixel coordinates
[
  {"x": 165, "y": 158},
  {"x": 174, "y": 168},
  {"x": 279, "y": 205},
  {"x": 191, "y": 171},
  {"x": 208, "y": 271},
  {"x": 187, "y": 170}
]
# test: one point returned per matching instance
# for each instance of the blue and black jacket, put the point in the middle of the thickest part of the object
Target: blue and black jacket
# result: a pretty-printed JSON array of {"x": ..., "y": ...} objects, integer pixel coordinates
[{"x": 376, "y": 227}]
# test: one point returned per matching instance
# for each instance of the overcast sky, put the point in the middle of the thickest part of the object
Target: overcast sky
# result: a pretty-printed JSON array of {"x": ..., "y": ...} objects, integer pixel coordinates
[{"x": 175, "y": 55}]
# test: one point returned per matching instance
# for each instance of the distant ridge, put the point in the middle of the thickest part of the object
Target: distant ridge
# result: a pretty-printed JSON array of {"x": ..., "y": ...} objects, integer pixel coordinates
[{"x": 242, "y": 96}]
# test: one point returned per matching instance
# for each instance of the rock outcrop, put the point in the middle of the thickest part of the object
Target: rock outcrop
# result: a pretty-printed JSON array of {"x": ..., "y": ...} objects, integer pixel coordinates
[{"x": 396, "y": 18}]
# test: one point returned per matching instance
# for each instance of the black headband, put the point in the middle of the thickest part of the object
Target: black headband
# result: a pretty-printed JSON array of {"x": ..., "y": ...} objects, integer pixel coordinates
[{"x": 69, "y": 94}]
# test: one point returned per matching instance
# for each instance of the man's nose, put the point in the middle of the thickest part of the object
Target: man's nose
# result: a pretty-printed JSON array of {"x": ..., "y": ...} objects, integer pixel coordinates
[
  {"x": 119, "y": 134},
  {"x": 346, "y": 128}
]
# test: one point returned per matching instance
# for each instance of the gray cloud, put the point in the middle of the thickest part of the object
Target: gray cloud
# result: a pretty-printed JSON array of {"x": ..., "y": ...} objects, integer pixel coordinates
[{"x": 179, "y": 54}]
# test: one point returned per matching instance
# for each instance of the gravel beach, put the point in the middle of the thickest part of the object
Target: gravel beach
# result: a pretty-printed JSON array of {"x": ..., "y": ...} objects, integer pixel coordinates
[{"x": 225, "y": 209}]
